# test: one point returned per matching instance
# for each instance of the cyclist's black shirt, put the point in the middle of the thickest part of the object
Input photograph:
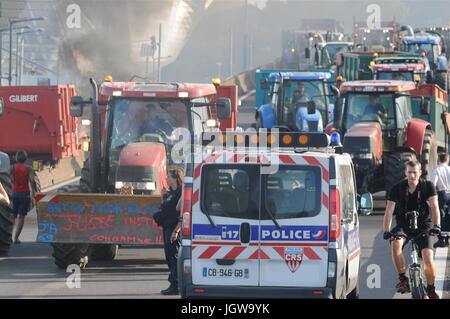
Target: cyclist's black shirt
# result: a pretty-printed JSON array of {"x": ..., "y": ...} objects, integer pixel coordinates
[{"x": 404, "y": 202}]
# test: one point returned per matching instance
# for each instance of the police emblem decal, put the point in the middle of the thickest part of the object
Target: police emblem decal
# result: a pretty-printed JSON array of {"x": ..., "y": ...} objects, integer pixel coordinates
[{"x": 293, "y": 256}]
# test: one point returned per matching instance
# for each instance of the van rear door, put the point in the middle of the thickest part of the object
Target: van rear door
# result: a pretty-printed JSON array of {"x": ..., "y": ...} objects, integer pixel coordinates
[
  {"x": 224, "y": 246},
  {"x": 297, "y": 197}
]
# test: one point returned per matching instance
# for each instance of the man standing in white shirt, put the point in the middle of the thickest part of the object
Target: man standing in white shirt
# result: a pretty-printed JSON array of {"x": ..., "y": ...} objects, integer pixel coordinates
[{"x": 440, "y": 177}]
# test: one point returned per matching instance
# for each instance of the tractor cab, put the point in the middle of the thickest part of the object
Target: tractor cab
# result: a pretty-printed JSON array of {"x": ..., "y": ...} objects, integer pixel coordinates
[
  {"x": 299, "y": 102},
  {"x": 380, "y": 132},
  {"x": 141, "y": 125},
  {"x": 384, "y": 102},
  {"x": 394, "y": 69},
  {"x": 429, "y": 44},
  {"x": 328, "y": 51},
  {"x": 430, "y": 47}
]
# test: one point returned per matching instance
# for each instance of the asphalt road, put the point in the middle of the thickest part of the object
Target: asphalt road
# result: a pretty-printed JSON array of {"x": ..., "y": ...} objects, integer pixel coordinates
[{"x": 29, "y": 272}]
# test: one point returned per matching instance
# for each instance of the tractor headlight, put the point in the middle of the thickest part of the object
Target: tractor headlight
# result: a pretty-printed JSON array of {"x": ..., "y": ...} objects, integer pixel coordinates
[
  {"x": 119, "y": 185},
  {"x": 151, "y": 186}
]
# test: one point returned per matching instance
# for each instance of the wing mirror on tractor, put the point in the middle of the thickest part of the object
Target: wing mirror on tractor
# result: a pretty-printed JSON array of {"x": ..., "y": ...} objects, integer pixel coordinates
[
  {"x": 76, "y": 106},
  {"x": 1, "y": 106},
  {"x": 223, "y": 108}
]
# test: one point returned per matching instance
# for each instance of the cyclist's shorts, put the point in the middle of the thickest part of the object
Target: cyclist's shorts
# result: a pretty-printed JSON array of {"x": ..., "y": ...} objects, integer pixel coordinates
[{"x": 423, "y": 242}]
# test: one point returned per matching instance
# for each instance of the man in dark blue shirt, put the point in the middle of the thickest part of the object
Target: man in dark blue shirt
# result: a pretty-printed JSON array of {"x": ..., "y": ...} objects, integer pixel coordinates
[
  {"x": 375, "y": 108},
  {"x": 155, "y": 124}
]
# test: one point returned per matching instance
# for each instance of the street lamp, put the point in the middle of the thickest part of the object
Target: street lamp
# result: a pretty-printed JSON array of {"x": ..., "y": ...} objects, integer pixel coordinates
[
  {"x": 1, "y": 47},
  {"x": 11, "y": 22},
  {"x": 19, "y": 71}
]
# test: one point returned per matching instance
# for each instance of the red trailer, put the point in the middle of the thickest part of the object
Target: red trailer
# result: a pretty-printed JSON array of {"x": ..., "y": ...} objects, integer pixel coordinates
[{"x": 37, "y": 119}]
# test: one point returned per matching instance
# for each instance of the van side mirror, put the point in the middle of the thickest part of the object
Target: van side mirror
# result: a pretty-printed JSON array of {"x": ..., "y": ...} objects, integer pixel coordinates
[
  {"x": 365, "y": 204},
  {"x": 76, "y": 106},
  {"x": 223, "y": 108},
  {"x": 264, "y": 84},
  {"x": 1, "y": 106},
  {"x": 307, "y": 53},
  {"x": 425, "y": 107}
]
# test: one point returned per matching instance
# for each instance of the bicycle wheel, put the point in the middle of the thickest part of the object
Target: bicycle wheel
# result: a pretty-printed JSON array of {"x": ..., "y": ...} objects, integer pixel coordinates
[{"x": 416, "y": 284}]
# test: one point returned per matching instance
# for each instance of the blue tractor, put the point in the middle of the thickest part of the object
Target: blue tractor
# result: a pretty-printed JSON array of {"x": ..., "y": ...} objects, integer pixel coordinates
[
  {"x": 293, "y": 101},
  {"x": 432, "y": 49}
]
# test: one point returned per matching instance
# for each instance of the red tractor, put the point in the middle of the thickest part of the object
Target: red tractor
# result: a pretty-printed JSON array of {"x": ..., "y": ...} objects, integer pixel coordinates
[
  {"x": 133, "y": 141},
  {"x": 381, "y": 130}
]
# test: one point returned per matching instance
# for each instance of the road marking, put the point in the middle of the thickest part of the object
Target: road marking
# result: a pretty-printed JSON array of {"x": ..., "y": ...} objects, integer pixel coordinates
[
  {"x": 441, "y": 263},
  {"x": 44, "y": 290}
]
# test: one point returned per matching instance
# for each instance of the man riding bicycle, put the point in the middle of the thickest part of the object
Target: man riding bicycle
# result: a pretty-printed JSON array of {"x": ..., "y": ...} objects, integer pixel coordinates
[{"x": 413, "y": 194}]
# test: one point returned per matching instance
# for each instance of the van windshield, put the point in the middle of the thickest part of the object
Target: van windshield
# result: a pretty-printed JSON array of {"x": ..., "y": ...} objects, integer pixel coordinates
[
  {"x": 231, "y": 190},
  {"x": 235, "y": 191},
  {"x": 292, "y": 192}
]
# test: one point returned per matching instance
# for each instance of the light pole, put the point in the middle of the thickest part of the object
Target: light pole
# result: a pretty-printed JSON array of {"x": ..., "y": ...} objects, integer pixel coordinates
[
  {"x": 219, "y": 66},
  {"x": 1, "y": 47},
  {"x": 11, "y": 22},
  {"x": 159, "y": 53},
  {"x": 21, "y": 44},
  {"x": 246, "y": 36}
]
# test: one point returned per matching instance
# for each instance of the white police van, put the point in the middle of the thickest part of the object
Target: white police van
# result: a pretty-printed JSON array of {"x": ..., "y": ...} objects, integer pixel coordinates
[{"x": 271, "y": 224}]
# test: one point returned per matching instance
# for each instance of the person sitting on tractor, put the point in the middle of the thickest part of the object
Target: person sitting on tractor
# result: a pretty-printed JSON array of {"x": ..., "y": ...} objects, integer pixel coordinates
[
  {"x": 375, "y": 108},
  {"x": 129, "y": 123},
  {"x": 300, "y": 96},
  {"x": 155, "y": 124}
]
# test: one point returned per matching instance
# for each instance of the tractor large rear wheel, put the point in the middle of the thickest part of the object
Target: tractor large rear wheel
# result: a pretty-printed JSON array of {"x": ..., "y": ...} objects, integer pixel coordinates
[
  {"x": 6, "y": 216},
  {"x": 395, "y": 168},
  {"x": 428, "y": 158},
  {"x": 68, "y": 254}
]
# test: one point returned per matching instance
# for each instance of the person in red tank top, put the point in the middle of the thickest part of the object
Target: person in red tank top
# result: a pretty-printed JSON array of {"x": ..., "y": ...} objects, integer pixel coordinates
[{"x": 21, "y": 177}]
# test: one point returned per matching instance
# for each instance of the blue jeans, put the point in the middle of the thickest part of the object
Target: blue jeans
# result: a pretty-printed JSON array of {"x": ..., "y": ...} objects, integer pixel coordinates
[{"x": 171, "y": 251}]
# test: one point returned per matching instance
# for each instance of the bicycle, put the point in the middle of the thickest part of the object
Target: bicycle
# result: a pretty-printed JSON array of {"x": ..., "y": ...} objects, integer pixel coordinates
[{"x": 416, "y": 280}]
